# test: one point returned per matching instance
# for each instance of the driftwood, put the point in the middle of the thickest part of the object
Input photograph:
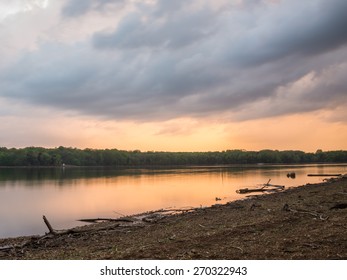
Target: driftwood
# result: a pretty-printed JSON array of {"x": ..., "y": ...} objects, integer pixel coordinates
[
  {"x": 172, "y": 210},
  {"x": 247, "y": 190},
  {"x": 127, "y": 220},
  {"x": 264, "y": 188},
  {"x": 155, "y": 216},
  {"x": 51, "y": 230},
  {"x": 183, "y": 210},
  {"x": 271, "y": 185},
  {"x": 56, "y": 232},
  {"x": 324, "y": 175}
]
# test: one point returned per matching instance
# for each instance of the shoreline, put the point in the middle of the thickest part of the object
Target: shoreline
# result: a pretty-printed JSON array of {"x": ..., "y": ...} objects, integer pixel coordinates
[{"x": 306, "y": 222}]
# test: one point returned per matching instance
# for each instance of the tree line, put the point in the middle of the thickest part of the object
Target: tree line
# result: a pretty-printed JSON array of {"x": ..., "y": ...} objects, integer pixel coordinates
[{"x": 38, "y": 156}]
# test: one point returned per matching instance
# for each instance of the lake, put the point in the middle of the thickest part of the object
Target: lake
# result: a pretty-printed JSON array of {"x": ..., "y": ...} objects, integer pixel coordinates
[{"x": 65, "y": 195}]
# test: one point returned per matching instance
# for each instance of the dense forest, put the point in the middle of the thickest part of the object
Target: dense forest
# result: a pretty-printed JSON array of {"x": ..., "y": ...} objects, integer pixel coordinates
[{"x": 37, "y": 156}]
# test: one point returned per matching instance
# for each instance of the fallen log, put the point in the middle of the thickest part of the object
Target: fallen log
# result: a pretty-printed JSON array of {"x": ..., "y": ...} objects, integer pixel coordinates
[
  {"x": 247, "y": 190},
  {"x": 274, "y": 186},
  {"x": 51, "y": 230},
  {"x": 127, "y": 220},
  {"x": 324, "y": 175},
  {"x": 264, "y": 188},
  {"x": 54, "y": 232},
  {"x": 171, "y": 211}
]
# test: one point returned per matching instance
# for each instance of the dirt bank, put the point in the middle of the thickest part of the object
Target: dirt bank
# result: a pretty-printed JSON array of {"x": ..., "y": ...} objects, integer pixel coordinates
[{"x": 309, "y": 222}]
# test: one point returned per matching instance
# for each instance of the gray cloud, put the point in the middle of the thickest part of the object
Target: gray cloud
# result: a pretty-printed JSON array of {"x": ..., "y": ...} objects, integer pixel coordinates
[
  {"x": 161, "y": 28},
  {"x": 77, "y": 8},
  {"x": 293, "y": 28},
  {"x": 172, "y": 60}
]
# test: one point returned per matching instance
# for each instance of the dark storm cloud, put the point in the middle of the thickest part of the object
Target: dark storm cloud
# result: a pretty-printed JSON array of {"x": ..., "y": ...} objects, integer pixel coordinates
[
  {"x": 172, "y": 59},
  {"x": 290, "y": 29}
]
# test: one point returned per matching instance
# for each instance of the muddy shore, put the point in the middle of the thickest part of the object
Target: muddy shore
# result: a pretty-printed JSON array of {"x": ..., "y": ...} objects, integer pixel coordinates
[{"x": 308, "y": 222}]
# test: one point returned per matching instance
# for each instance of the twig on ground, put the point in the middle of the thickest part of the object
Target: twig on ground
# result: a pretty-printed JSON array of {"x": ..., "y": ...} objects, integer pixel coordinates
[
  {"x": 315, "y": 214},
  {"x": 239, "y": 248}
]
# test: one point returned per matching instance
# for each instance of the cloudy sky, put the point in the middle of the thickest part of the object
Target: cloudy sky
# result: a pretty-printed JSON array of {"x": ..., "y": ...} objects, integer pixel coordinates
[{"x": 174, "y": 75}]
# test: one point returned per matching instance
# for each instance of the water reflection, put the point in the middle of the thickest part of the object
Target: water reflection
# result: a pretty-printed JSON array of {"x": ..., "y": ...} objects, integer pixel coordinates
[{"x": 66, "y": 195}]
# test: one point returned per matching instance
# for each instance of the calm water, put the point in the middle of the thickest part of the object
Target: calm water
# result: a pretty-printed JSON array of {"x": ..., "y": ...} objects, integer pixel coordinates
[{"x": 66, "y": 195}]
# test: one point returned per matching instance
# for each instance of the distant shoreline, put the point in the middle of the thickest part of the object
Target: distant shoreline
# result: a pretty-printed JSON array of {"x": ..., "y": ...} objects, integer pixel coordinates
[
  {"x": 174, "y": 166},
  {"x": 38, "y": 156}
]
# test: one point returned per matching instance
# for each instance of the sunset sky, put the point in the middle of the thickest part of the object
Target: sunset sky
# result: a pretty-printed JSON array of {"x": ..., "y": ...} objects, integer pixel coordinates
[{"x": 174, "y": 75}]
